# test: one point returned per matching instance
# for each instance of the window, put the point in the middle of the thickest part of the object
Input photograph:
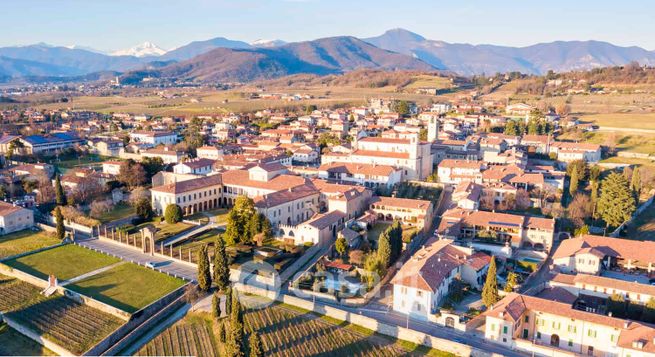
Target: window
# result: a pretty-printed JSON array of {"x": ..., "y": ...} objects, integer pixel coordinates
[
  {"x": 505, "y": 329},
  {"x": 493, "y": 327},
  {"x": 419, "y": 293},
  {"x": 591, "y": 333},
  {"x": 590, "y": 350},
  {"x": 570, "y": 343},
  {"x": 538, "y": 334},
  {"x": 526, "y": 318}
]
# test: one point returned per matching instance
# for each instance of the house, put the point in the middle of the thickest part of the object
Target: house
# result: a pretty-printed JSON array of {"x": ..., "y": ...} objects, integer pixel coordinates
[
  {"x": 456, "y": 171},
  {"x": 416, "y": 213},
  {"x": 197, "y": 166},
  {"x": 291, "y": 206},
  {"x": 424, "y": 281},
  {"x": 320, "y": 229},
  {"x": 209, "y": 152},
  {"x": 591, "y": 288},
  {"x": 467, "y": 195},
  {"x": 193, "y": 195},
  {"x": 518, "y": 109},
  {"x": 154, "y": 138},
  {"x": 515, "y": 230},
  {"x": 542, "y": 326},
  {"x": 49, "y": 144},
  {"x": 568, "y": 152},
  {"x": 167, "y": 155},
  {"x": 592, "y": 254},
  {"x": 368, "y": 175},
  {"x": 33, "y": 171},
  {"x": 111, "y": 167},
  {"x": 14, "y": 218}
]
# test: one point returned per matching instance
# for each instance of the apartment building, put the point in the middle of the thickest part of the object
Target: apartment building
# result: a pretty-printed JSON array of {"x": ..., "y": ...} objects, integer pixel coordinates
[
  {"x": 417, "y": 213},
  {"x": 154, "y": 138}
]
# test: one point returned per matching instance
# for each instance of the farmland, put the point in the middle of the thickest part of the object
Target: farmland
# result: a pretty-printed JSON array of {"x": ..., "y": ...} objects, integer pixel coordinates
[
  {"x": 15, "y": 294},
  {"x": 128, "y": 286},
  {"x": 285, "y": 331},
  {"x": 71, "y": 325},
  {"x": 25, "y": 241},
  {"x": 64, "y": 262}
]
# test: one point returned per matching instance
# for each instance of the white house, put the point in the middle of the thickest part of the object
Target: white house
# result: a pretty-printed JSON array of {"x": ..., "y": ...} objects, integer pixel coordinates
[
  {"x": 154, "y": 138},
  {"x": 14, "y": 218}
]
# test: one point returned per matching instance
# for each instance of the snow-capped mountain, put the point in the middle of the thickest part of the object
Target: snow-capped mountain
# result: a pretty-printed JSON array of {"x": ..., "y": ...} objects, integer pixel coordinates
[
  {"x": 143, "y": 50},
  {"x": 85, "y": 48},
  {"x": 267, "y": 43}
]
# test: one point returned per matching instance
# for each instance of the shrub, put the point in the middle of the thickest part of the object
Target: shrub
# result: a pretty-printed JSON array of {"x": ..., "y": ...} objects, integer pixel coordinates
[{"x": 173, "y": 214}]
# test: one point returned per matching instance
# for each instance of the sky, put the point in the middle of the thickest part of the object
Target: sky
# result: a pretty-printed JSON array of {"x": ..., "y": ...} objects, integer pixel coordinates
[{"x": 118, "y": 24}]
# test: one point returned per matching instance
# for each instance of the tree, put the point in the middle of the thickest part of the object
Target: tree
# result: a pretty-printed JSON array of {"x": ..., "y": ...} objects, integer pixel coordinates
[
  {"x": 578, "y": 165},
  {"x": 490, "y": 290},
  {"x": 375, "y": 269},
  {"x": 59, "y": 192},
  {"x": 616, "y": 305},
  {"x": 395, "y": 233},
  {"x": 522, "y": 200},
  {"x": 255, "y": 345},
  {"x": 221, "y": 268},
  {"x": 573, "y": 185},
  {"x": 131, "y": 174},
  {"x": 341, "y": 246},
  {"x": 594, "y": 173},
  {"x": 235, "y": 345},
  {"x": 384, "y": 249},
  {"x": 137, "y": 194},
  {"x": 216, "y": 306},
  {"x": 228, "y": 300},
  {"x": 510, "y": 128},
  {"x": 240, "y": 221},
  {"x": 59, "y": 218},
  {"x": 401, "y": 107},
  {"x": 616, "y": 203},
  {"x": 649, "y": 311},
  {"x": 152, "y": 165},
  {"x": 580, "y": 208},
  {"x": 173, "y": 213},
  {"x": 635, "y": 183},
  {"x": 100, "y": 207},
  {"x": 143, "y": 209},
  {"x": 204, "y": 275},
  {"x": 512, "y": 281}
]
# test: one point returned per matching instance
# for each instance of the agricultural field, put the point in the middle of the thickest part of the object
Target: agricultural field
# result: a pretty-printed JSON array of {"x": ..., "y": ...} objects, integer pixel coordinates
[
  {"x": 127, "y": 286},
  {"x": 193, "y": 336},
  {"x": 64, "y": 262},
  {"x": 285, "y": 331},
  {"x": 67, "y": 323},
  {"x": 25, "y": 241},
  {"x": 15, "y": 294},
  {"x": 12, "y": 343},
  {"x": 429, "y": 81},
  {"x": 623, "y": 120}
]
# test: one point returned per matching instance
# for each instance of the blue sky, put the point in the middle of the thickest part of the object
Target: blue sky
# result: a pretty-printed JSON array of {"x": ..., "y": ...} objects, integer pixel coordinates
[{"x": 117, "y": 24}]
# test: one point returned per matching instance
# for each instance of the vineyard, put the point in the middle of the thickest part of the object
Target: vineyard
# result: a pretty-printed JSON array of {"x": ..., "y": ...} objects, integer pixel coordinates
[
  {"x": 15, "y": 294},
  {"x": 12, "y": 343},
  {"x": 71, "y": 325},
  {"x": 284, "y": 332},
  {"x": 191, "y": 337}
]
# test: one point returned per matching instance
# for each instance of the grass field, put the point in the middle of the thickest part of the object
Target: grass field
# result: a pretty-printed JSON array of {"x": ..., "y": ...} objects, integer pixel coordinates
[
  {"x": 119, "y": 211},
  {"x": 70, "y": 161},
  {"x": 128, "y": 286},
  {"x": 634, "y": 142},
  {"x": 623, "y": 120},
  {"x": 428, "y": 81},
  {"x": 25, "y": 241},
  {"x": 64, "y": 262},
  {"x": 643, "y": 226},
  {"x": 12, "y": 343}
]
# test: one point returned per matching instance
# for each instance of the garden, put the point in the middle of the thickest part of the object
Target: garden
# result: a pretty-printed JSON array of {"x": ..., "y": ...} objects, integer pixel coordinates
[
  {"x": 127, "y": 286},
  {"x": 25, "y": 241},
  {"x": 64, "y": 262}
]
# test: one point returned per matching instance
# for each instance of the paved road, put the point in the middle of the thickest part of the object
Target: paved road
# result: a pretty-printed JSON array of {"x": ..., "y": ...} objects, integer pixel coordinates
[{"x": 164, "y": 265}]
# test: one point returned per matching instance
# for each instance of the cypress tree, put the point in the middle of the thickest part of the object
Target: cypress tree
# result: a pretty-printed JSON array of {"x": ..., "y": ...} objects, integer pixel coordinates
[
  {"x": 204, "y": 275},
  {"x": 221, "y": 268},
  {"x": 511, "y": 282},
  {"x": 635, "y": 183},
  {"x": 228, "y": 300},
  {"x": 235, "y": 345},
  {"x": 616, "y": 203},
  {"x": 61, "y": 231},
  {"x": 384, "y": 249},
  {"x": 59, "y": 191},
  {"x": 573, "y": 185},
  {"x": 216, "y": 306},
  {"x": 490, "y": 289}
]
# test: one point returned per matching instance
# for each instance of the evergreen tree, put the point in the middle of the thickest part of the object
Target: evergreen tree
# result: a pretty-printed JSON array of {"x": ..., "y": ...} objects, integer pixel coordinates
[
  {"x": 384, "y": 249},
  {"x": 143, "y": 209},
  {"x": 204, "y": 275},
  {"x": 396, "y": 239},
  {"x": 341, "y": 246},
  {"x": 235, "y": 344},
  {"x": 238, "y": 228},
  {"x": 573, "y": 184},
  {"x": 221, "y": 268},
  {"x": 216, "y": 306},
  {"x": 255, "y": 345},
  {"x": 649, "y": 311},
  {"x": 490, "y": 290},
  {"x": 635, "y": 183},
  {"x": 533, "y": 127},
  {"x": 59, "y": 192},
  {"x": 228, "y": 300},
  {"x": 59, "y": 218},
  {"x": 173, "y": 213},
  {"x": 616, "y": 305},
  {"x": 512, "y": 281},
  {"x": 253, "y": 227},
  {"x": 616, "y": 203},
  {"x": 221, "y": 332}
]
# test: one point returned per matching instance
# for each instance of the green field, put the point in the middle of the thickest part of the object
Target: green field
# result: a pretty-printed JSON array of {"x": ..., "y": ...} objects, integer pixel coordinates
[
  {"x": 25, "y": 241},
  {"x": 623, "y": 120},
  {"x": 636, "y": 142},
  {"x": 71, "y": 161},
  {"x": 119, "y": 211},
  {"x": 12, "y": 343},
  {"x": 128, "y": 286},
  {"x": 64, "y": 262},
  {"x": 219, "y": 215}
]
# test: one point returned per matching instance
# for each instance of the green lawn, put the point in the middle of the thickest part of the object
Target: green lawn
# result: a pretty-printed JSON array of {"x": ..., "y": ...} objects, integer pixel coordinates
[
  {"x": 220, "y": 215},
  {"x": 70, "y": 161},
  {"x": 12, "y": 343},
  {"x": 377, "y": 229},
  {"x": 25, "y": 241},
  {"x": 64, "y": 262},
  {"x": 164, "y": 230},
  {"x": 119, "y": 211},
  {"x": 128, "y": 286}
]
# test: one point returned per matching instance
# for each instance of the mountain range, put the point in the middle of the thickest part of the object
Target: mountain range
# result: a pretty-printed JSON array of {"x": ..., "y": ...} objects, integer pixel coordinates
[{"x": 222, "y": 59}]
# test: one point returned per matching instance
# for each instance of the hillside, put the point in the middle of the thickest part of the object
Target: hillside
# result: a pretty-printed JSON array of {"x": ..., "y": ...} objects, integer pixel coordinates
[{"x": 324, "y": 56}]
